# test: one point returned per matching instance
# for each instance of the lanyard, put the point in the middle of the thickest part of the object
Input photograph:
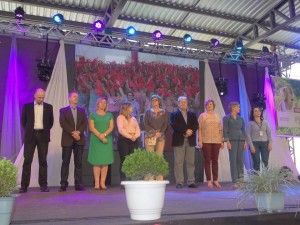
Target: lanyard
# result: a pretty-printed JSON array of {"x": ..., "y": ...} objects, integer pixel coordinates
[{"x": 260, "y": 126}]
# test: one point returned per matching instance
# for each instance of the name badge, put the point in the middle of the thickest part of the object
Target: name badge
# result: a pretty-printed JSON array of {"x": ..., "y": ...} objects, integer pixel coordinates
[{"x": 261, "y": 133}]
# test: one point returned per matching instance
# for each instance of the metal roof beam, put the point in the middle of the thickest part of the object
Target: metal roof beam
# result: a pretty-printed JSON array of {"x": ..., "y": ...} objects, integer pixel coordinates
[
  {"x": 196, "y": 10},
  {"x": 216, "y": 14},
  {"x": 271, "y": 16},
  {"x": 199, "y": 30},
  {"x": 176, "y": 26},
  {"x": 113, "y": 11},
  {"x": 58, "y": 7}
]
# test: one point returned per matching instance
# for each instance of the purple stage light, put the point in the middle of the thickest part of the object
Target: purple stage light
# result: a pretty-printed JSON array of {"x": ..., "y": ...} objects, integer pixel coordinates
[
  {"x": 157, "y": 35},
  {"x": 19, "y": 13},
  {"x": 214, "y": 43},
  {"x": 98, "y": 25}
]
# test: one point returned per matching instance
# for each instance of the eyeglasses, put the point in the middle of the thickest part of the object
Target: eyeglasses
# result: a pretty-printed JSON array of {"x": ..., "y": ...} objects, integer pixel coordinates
[{"x": 154, "y": 100}]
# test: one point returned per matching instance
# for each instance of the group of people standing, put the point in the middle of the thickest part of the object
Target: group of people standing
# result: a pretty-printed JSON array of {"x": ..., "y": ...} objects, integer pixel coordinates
[
  {"x": 213, "y": 134},
  {"x": 37, "y": 120}
]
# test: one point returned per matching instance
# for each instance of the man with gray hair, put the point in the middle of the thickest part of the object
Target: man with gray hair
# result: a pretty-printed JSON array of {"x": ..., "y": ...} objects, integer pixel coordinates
[{"x": 184, "y": 127}]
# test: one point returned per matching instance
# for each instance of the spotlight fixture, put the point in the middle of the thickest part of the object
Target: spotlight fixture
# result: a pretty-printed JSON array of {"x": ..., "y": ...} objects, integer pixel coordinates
[
  {"x": 19, "y": 13},
  {"x": 58, "y": 19},
  {"x": 265, "y": 50},
  {"x": 130, "y": 31},
  {"x": 187, "y": 39},
  {"x": 98, "y": 25},
  {"x": 239, "y": 47},
  {"x": 222, "y": 85},
  {"x": 221, "y": 82},
  {"x": 44, "y": 70},
  {"x": 214, "y": 43},
  {"x": 157, "y": 35},
  {"x": 259, "y": 98}
]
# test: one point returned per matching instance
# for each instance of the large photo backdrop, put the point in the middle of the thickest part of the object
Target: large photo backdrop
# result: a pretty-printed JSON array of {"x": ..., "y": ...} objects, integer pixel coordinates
[
  {"x": 124, "y": 76},
  {"x": 287, "y": 103}
]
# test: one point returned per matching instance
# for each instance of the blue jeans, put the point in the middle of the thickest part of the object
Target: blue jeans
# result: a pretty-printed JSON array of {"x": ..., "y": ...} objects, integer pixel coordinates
[{"x": 261, "y": 150}]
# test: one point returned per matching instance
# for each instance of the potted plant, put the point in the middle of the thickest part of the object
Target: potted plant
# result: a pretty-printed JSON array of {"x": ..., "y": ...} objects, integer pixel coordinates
[
  {"x": 8, "y": 184},
  {"x": 268, "y": 186},
  {"x": 145, "y": 196}
]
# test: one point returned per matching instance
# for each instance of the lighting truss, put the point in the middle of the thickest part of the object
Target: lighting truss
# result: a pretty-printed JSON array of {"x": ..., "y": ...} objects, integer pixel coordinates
[{"x": 119, "y": 40}]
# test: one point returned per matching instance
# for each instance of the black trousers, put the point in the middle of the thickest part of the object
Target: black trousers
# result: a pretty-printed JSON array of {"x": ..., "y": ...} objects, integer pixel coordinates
[
  {"x": 66, "y": 157},
  {"x": 29, "y": 148},
  {"x": 125, "y": 147}
]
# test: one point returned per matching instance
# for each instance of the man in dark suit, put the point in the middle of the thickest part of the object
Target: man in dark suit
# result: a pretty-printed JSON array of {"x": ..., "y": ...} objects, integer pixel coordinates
[
  {"x": 73, "y": 122},
  {"x": 184, "y": 127},
  {"x": 37, "y": 120}
]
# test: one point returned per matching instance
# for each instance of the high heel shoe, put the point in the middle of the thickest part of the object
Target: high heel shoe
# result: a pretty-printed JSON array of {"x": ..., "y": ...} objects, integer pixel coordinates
[
  {"x": 216, "y": 184},
  {"x": 209, "y": 184}
]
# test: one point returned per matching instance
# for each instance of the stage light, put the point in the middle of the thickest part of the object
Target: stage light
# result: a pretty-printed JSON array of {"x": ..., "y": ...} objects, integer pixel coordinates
[
  {"x": 187, "y": 39},
  {"x": 58, "y": 19},
  {"x": 157, "y": 35},
  {"x": 265, "y": 50},
  {"x": 44, "y": 70},
  {"x": 19, "y": 13},
  {"x": 222, "y": 86},
  {"x": 99, "y": 25},
  {"x": 214, "y": 43},
  {"x": 239, "y": 46},
  {"x": 131, "y": 31}
]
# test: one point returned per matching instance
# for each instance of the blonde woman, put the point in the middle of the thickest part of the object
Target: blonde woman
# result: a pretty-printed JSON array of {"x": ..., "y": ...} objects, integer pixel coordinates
[
  {"x": 101, "y": 154},
  {"x": 235, "y": 136},
  {"x": 129, "y": 132}
]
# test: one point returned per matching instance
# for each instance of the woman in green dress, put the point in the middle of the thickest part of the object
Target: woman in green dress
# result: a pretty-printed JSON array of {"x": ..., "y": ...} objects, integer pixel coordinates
[{"x": 101, "y": 154}]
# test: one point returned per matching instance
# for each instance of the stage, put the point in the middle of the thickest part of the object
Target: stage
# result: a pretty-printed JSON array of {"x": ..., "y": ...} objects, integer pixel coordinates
[{"x": 182, "y": 206}]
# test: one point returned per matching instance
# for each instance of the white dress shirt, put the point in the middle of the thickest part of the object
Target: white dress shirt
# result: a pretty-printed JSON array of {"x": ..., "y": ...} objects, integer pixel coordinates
[{"x": 38, "y": 116}]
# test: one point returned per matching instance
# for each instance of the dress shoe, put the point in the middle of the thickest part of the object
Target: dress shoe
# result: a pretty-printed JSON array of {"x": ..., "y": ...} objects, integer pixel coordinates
[
  {"x": 79, "y": 188},
  {"x": 179, "y": 186},
  {"x": 62, "y": 189},
  {"x": 45, "y": 189},
  {"x": 193, "y": 185},
  {"x": 23, "y": 190}
]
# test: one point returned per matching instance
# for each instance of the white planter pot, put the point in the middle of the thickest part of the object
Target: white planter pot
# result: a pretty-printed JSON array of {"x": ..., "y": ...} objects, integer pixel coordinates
[
  {"x": 145, "y": 199},
  {"x": 6, "y": 209},
  {"x": 270, "y": 202}
]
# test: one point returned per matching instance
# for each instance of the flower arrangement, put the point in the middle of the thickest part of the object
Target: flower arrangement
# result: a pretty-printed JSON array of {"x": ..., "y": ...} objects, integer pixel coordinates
[
  {"x": 142, "y": 165},
  {"x": 8, "y": 177}
]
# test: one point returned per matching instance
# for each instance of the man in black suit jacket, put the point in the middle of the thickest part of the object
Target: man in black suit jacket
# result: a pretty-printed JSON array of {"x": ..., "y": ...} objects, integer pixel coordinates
[
  {"x": 37, "y": 120},
  {"x": 184, "y": 125},
  {"x": 73, "y": 122}
]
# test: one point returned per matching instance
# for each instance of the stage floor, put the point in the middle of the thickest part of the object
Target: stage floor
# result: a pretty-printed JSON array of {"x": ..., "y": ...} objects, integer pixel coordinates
[{"x": 182, "y": 206}]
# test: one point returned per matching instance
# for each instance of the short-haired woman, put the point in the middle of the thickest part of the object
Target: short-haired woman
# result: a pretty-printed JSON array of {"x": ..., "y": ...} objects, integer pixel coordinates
[
  {"x": 235, "y": 136},
  {"x": 210, "y": 140}
]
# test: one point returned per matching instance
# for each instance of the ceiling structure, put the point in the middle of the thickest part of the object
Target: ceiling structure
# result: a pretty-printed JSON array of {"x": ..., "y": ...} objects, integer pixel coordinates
[{"x": 257, "y": 22}]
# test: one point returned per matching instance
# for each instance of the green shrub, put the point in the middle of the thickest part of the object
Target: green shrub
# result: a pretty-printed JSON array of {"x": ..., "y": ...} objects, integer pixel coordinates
[
  {"x": 144, "y": 164},
  {"x": 8, "y": 177}
]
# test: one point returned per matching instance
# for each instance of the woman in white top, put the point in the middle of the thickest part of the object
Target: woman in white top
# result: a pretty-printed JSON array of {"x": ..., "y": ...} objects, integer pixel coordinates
[{"x": 129, "y": 132}]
